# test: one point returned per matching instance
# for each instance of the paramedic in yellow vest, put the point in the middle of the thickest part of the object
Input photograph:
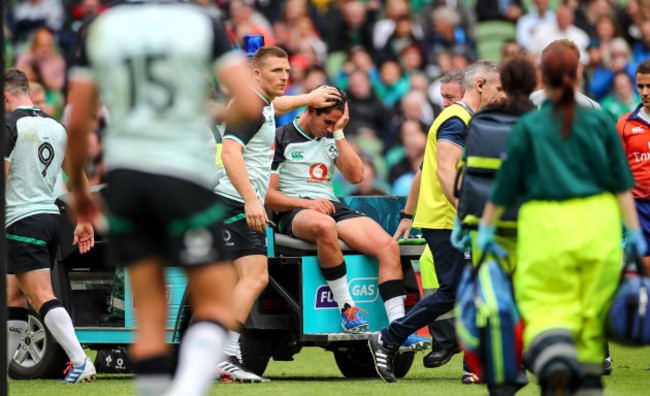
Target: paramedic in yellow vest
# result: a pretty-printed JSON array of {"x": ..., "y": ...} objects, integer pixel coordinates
[
  {"x": 567, "y": 167},
  {"x": 437, "y": 209},
  {"x": 443, "y": 333}
]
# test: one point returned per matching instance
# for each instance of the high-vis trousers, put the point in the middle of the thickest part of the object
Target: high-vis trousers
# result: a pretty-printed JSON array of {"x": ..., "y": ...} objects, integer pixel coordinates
[{"x": 568, "y": 266}]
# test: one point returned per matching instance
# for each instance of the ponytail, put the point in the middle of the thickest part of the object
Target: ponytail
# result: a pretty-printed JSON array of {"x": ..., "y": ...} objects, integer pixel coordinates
[
  {"x": 559, "y": 70},
  {"x": 565, "y": 101}
]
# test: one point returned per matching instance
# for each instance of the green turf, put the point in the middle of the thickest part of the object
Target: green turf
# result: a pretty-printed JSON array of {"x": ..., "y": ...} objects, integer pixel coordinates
[{"x": 313, "y": 372}]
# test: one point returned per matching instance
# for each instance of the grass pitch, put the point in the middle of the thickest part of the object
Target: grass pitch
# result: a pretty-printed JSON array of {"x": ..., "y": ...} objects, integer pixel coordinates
[{"x": 314, "y": 372}]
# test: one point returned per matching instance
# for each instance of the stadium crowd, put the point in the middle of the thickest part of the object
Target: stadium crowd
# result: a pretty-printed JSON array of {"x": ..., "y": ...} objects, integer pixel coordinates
[{"x": 387, "y": 55}]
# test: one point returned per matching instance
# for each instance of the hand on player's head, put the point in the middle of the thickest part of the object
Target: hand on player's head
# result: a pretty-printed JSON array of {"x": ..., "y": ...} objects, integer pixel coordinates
[
  {"x": 344, "y": 119},
  {"x": 323, "y": 96}
]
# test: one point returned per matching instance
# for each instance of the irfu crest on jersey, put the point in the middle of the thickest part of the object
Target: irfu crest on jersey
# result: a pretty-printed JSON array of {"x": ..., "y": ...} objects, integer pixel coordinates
[{"x": 331, "y": 151}]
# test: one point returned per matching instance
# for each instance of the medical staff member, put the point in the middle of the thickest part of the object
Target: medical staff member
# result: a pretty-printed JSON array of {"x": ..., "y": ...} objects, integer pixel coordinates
[{"x": 566, "y": 165}]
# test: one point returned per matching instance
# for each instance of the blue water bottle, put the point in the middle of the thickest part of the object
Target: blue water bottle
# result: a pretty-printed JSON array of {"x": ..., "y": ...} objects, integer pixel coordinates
[{"x": 253, "y": 42}]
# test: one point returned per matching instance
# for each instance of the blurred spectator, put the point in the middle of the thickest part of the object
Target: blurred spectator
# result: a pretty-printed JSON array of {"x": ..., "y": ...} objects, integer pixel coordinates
[
  {"x": 630, "y": 18},
  {"x": 511, "y": 49},
  {"x": 446, "y": 34},
  {"x": 366, "y": 110},
  {"x": 358, "y": 58},
  {"x": 42, "y": 59},
  {"x": 401, "y": 39},
  {"x": 78, "y": 16},
  {"x": 595, "y": 64},
  {"x": 37, "y": 95},
  {"x": 606, "y": 30},
  {"x": 466, "y": 12},
  {"x": 641, "y": 49},
  {"x": 538, "y": 15},
  {"x": 414, "y": 106},
  {"x": 411, "y": 59},
  {"x": 496, "y": 10},
  {"x": 602, "y": 78},
  {"x": 407, "y": 156},
  {"x": 26, "y": 16},
  {"x": 562, "y": 28},
  {"x": 623, "y": 98},
  {"x": 392, "y": 84},
  {"x": 588, "y": 14},
  {"x": 349, "y": 24},
  {"x": 420, "y": 83},
  {"x": 245, "y": 20},
  {"x": 371, "y": 185},
  {"x": 384, "y": 28}
]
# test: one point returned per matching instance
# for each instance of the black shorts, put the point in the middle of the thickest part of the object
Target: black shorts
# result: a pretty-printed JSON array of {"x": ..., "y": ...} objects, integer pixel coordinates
[
  {"x": 32, "y": 243},
  {"x": 239, "y": 238},
  {"x": 284, "y": 220},
  {"x": 155, "y": 215}
]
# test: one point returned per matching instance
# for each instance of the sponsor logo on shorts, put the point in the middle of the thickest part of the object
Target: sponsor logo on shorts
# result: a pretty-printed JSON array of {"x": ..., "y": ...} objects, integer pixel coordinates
[
  {"x": 198, "y": 246},
  {"x": 227, "y": 238}
]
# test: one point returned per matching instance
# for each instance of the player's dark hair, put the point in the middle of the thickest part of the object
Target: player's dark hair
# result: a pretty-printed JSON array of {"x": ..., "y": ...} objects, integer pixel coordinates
[
  {"x": 16, "y": 82},
  {"x": 559, "y": 71},
  {"x": 644, "y": 67},
  {"x": 264, "y": 53},
  {"x": 337, "y": 104},
  {"x": 519, "y": 79}
]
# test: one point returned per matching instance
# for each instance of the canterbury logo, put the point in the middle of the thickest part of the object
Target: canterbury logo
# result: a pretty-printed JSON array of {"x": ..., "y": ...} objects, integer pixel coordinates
[
  {"x": 15, "y": 330},
  {"x": 637, "y": 129},
  {"x": 297, "y": 155}
]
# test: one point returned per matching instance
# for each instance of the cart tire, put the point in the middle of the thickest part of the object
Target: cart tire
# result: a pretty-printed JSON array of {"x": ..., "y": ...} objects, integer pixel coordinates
[
  {"x": 356, "y": 362},
  {"x": 39, "y": 355}
]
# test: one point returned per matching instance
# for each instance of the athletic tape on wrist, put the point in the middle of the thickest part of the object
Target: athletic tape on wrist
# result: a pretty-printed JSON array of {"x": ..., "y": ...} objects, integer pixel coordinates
[{"x": 338, "y": 134}]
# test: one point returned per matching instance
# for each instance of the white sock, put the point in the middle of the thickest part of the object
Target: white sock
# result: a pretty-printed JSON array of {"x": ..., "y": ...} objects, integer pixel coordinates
[
  {"x": 152, "y": 384},
  {"x": 15, "y": 330},
  {"x": 231, "y": 348},
  {"x": 200, "y": 352},
  {"x": 341, "y": 292},
  {"x": 395, "y": 308},
  {"x": 58, "y": 322}
]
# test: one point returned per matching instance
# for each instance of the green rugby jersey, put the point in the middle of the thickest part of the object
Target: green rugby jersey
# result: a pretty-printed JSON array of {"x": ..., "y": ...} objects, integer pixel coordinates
[
  {"x": 152, "y": 64},
  {"x": 35, "y": 147},
  {"x": 304, "y": 164},
  {"x": 257, "y": 138}
]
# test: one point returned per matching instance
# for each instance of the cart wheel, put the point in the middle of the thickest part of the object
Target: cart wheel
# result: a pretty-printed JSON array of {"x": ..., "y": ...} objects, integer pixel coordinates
[{"x": 38, "y": 354}]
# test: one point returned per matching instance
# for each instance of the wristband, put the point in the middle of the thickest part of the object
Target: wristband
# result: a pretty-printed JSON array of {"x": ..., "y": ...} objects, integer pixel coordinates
[
  {"x": 338, "y": 134},
  {"x": 404, "y": 215}
]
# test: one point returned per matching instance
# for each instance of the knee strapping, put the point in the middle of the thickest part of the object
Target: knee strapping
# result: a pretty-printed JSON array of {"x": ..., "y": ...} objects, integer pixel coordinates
[
  {"x": 48, "y": 306},
  {"x": 391, "y": 289}
]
